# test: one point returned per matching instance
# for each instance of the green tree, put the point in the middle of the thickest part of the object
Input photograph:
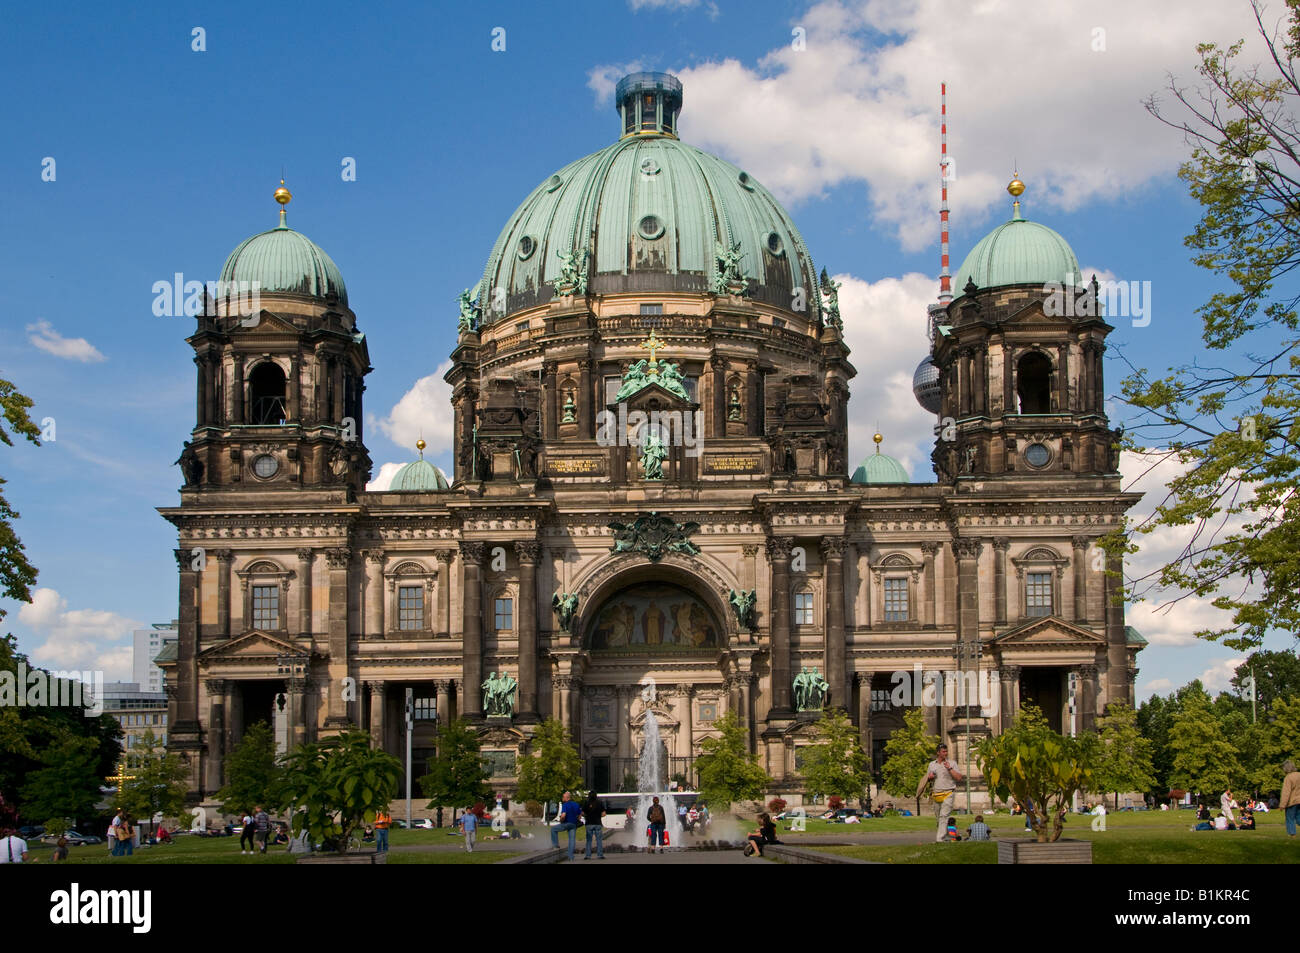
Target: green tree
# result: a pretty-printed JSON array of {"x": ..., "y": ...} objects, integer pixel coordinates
[
  {"x": 1039, "y": 768},
  {"x": 552, "y": 767},
  {"x": 908, "y": 752},
  {"x": 1276, "y": 674},
  {"x": 835, "y": 763},
  {"x": 1232, "y": 424},
  {"x": 727, "y": 771},
  {"x": 158, "y": 781},
  {"x": 1124, "y": 757},
  {"x": 334, "y": 786},
  {"x": 17, "y": 575},
  {"x": 252, "y": 775},
  {"x": 68, "y": 783},
  {"x": 1155, "y": 717},
  {"x": 1280, "y": 742},
  {"x": 1204, "y": 760},
  {"x": 457, "y": 777}
]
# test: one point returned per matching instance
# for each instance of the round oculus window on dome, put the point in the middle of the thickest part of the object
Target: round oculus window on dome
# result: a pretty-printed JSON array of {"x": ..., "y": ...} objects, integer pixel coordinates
[
  {"x": 649, "y": 166},
  {"x": 525, "y": 248},
  {"x": 553, "y": 183},
  {"x": 774, "y": 244},
  {"x": 265, "y": 466},
  {"x": 650, "y": 227},
  {"x": 1037, "y": 454},
  {"x": 745, "y": 181}
]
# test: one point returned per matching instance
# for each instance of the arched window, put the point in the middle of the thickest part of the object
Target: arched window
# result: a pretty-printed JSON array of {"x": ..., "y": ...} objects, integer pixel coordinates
[
  {"x": 266, "y": 395},
  {"x": 1034, "y": 383}
]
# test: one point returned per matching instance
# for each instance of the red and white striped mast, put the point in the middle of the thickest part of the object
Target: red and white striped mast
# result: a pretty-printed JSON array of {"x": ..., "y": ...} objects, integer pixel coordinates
[{"x": 945, "y": 278}]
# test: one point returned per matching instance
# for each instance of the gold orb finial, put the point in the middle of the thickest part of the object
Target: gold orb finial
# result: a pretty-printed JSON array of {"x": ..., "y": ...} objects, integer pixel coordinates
[
  {"x": 420, "y": 445},
  {"x": 878, "y": 437},
  {"x": 283, "y": 195},
  {"x": 1016, "y": 187}
]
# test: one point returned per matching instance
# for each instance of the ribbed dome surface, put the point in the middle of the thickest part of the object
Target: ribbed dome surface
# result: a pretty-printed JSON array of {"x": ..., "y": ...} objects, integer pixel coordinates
[
  {"x": 650, "y": 211},
  {"x": 1019, "y": 252},
  {"x": 283, "y": 260},
  {"x": 418, "y": 476},
  {"x": 880, "y": 468}
]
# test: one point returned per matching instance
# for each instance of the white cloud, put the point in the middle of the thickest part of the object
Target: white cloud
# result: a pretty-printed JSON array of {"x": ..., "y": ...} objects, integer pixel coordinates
[
  {"x": 80, "y": 639},
  {"x": 1156, "y": 686},
  {"x": 42, "y": 335},
  {"x": 602, "y": 79},
  {"x": 1218, "y": 676},
  {"x": 1025, "y": 87},
  {"x": 423, "y": 412},
  {"x": 885, "y": 329},
  {"x": 384, "y": 478}
]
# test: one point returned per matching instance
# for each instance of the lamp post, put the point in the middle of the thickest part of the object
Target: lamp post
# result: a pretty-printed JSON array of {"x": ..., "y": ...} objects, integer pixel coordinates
[
  {"x": 291, "y": 668},
  {"x": 410, "y": 726},
  {"x": 968, "y": 651}
]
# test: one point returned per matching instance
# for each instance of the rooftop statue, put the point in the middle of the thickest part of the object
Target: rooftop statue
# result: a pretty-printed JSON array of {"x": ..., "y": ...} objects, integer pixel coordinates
[
  {"x": 730, "y": 274},
  {"x": 572, "y": 278},
  {"x": 565, "y": 605},
  {"x": 744, "y": 603},
  {"x": 831, "y": 289},
  {"x": 469, "y": 312}
]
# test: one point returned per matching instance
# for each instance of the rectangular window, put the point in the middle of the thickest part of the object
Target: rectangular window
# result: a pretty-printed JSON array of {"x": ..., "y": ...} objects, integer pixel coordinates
[
  {"x": 410, "y": 607},
  {"x": 652, "y": 309},
  {"x": 505, "y": 615},
  {"x": 425, "y": 709},
  {"x": 522, "y": 326},
  {"x": 1038, "y": 593},
  {"x": 778, "y": 322},
  {"x": 266, "y": 607},
  {"x": 880, "y": 699},
  {"x": 612, "y": 384},
  {"x": 691, "y": 384},
  {"x": 896, "y": 600},
  {"x": 803, "y": 608}
]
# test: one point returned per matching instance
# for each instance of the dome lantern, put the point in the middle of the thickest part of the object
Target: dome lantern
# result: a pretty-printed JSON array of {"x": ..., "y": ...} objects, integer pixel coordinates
[{"x": 648, "y": 104}]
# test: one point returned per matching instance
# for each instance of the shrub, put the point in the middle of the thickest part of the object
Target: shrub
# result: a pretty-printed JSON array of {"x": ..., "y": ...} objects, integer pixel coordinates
[
  {"x": 534, "y": 808},
  {"x": 834, "y": 802},
  {"x": 776, "y": 805}
]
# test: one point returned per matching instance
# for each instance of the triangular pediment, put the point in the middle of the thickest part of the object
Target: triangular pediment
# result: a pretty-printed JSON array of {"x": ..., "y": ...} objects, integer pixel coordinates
[
  {"x": 654, "y": 395},
  {"x": 268, "y": 323},
  {"x": 252, "y": 645},
  {"x": 1049, "y": 630},
  {"x": 1032, "y": 315}
]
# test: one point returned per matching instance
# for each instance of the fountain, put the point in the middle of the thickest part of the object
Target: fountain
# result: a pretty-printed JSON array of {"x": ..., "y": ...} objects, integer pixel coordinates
[{"x": 649, "y": 778}]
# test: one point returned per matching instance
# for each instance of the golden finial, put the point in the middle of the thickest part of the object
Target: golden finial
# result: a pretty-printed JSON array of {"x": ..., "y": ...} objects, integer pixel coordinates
[
  {"x": 420, "y": 445},
  {"x": 652, "y": 344},
  {"x": 878, "y": 437},
  {"x": 1017, "y": 189},
  {"x": 284, "y": 197}
]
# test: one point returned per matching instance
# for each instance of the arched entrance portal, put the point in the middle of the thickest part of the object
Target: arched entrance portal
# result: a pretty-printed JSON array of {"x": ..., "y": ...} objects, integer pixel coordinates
[{"x": 653, "y": 648}]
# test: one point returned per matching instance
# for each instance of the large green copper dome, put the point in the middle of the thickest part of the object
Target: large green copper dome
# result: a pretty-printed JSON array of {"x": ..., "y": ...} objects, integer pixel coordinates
[
  {"x": 880, "y": 468},
  {"x": 285, "y": 261},
  {"x": 1019, "y": 252},
  {"x": 419, "y": 476},
  {"x": 650, "y": 211}
]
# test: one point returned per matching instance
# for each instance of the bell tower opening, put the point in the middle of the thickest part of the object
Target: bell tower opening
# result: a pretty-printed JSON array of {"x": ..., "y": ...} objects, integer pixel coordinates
[
  {"x": 266, "y": 395},
  {"x": 1034, "y": 383}
]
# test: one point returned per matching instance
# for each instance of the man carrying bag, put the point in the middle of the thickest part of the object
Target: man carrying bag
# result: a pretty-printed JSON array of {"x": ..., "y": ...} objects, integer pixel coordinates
[{"x": 944, "y": 774}]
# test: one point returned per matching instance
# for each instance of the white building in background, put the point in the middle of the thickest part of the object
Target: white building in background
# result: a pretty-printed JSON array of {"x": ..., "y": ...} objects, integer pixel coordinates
[{"x": 147, "y": 644}]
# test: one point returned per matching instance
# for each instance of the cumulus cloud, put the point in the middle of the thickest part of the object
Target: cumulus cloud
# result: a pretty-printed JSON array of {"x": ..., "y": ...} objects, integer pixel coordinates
[
  {"x": 885, "y": 329},
  {"x": 80, "y": 639},
  {"x": 43, "y": 336},
  {"x": 805, "y": 120},
  {"x": 1218, "y": 677},
  {"x": 602, "y": 79},
  {"x": 384, "y": 478},
  {"x": 423, "y": 412},
  {"x": 1156, "y": 686}
]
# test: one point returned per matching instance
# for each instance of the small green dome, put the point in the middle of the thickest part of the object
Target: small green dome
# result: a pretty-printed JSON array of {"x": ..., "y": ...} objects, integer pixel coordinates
[
  {"x": 1019, "y": 252},
  {"x": 419, "y": 476},
  {"x": 880, "y": 468},
  {"x": 282, "y": 260}
]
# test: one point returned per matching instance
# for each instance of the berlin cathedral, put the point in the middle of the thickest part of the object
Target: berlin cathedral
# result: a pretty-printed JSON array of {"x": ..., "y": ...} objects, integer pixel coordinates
[{"x": 652, "y": 507}]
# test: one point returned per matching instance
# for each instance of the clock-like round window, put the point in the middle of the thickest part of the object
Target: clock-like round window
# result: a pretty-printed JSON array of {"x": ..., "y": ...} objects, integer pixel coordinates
[
  {"x": 527, "y": 245},
  {"x": 650, "y": 227},
  {"x": 1037, "y": 454},
  {"x": 265, "y": 466},
  {"x": 649, "y": 166},
  {"x": 775, "y": 245}
]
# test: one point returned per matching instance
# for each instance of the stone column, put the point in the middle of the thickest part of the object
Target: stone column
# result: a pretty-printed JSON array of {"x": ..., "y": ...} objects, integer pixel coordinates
[
  {"x": 968, "y": 597},
  {"x": 833, "y": 556},
  {"x": 527, "y": 552},
  {"x": 443, "y": 627},
  {"x": 1081, "y": 544},
  {"x": 294, "y": 390},
  {"x": 443, "y": 688},
  {"x": 551, "y": 402},
  {"x": 376, "y": 690},
  {"x": 201, "y": 391},
  {"x": 1000, "y": 547},
  {"x": 236, "y": 397},
  {"x": 374, "y": 625},
  {"x": 688, "y": 723},
  {"x": 586, "y": 410},
  {"x": 471, "y": 555},
  {"x": 216, "y": 689},
  {"x": 282, "y": 610},
  {"x": 225, "y": 560},
  {"x": 305, "y": 562},
  {"x": 1087, "y": 698},
  {"x": 185, "y": 719},
  {"x": 1008, "y": 387},
  {"x": 561, "y": 687},
  {"x": 296, "y": 706},
  {"x": 747, "y": 707},
  {"x": 981, "y": 383},
  {"x": 1063, "y": 378},
  {"x": 338, "y": 560},
  {"x": 928, "y": 551},
  {"x": 1010, "y": 700},
  {"x": 863, "y": 680},
  {"x": 755, "y": 421},
  {"x": 778, "y": 553},
  {"x": 718, "y": 386}
]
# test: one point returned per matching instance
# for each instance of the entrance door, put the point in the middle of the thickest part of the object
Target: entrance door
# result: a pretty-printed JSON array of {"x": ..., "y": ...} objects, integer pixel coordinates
[
  {"x": 1044, "y": 687},
  {"x": 599, "y": 778}
]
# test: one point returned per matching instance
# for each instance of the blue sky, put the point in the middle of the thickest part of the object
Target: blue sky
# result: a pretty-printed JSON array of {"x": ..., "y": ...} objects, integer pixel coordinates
[{"x": 166, "y": 158}]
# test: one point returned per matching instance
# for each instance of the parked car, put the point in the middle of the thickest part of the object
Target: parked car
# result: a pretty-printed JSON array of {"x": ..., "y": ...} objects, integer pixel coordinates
[
  {"x": 31, "y": 831},
  {"x": 74, "y": 839}
]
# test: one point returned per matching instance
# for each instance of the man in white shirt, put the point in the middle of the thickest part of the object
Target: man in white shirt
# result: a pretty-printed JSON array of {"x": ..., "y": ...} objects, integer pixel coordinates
[
  {"x": 13, "y": 849},
  {"x": 945, "y": 776}
]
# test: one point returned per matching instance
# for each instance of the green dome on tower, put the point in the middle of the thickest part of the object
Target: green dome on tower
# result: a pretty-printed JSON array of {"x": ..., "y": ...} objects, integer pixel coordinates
[
  {"x": 880, "y": 468},
  {"x": 284, "y": 261},
  {"x": 649, "y": 211},
  {"x": 418, "y": 476},
  {"x": 1019, "y": 252}
]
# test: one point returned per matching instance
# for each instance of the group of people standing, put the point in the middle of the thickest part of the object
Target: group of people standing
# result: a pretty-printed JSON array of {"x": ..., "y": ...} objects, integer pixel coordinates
[{"x": 256, "y": 826}]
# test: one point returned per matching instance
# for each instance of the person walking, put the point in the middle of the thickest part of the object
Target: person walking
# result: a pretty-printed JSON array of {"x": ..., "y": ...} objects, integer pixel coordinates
[
  {"x": 658, "y": 821},
  {"x": 469, "y": 827},
  {"x": 383, "y": 821},
  {"x": 1226, "y": 804},
  {"x": 246, "y": 833},
  {"x": 126, "y": 836},
  {"x": 13, "y": 849},
  {"x": 593, "y": 809},
  {"x": 263, "y": 824},
  {"x": 114, "y": 848},
  {"x": 944, "y": 776},
  {"x": 1290, "y": 799},
  {"x": 568, "y": 819}
]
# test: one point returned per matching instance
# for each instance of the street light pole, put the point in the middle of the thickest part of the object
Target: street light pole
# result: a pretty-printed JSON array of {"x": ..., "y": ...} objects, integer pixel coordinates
[{"x": 410, "y": 724}]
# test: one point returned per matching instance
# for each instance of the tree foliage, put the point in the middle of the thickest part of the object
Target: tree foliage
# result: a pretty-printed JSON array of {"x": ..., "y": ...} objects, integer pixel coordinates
[
  {"x": 456, "y": 777},
  {"x": 1039, "y": 768},
  {"x": 17, "y": 574},
  {"x": 836, "y": 764},
  {"x": 252, "y": 775},
  {"x": 1204, "y": 760},
  {"x": 552, "y": 766},
  {"x": 1124, "y": 757},
  {"x": 1276, "y": 674},
  {"x": 1233, "y": 425},
  {"x": 67, "y": 784},
  {"x": 908, "y": 753},
  {"x": 334, "y": 786},
  {"x": 728, "y": 772},
  {"x": 158, "y": 781}
]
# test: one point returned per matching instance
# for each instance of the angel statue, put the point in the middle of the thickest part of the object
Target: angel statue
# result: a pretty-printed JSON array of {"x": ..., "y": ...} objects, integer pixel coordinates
[
  {"x": 671, "y": 380},
  {"x": 572, "y": 278},
  {"x": 565, "y": 605},
  {"x": 469, "y": 312},
  {"x": 831, "y": 289},
  {"x": 743, "y": 604},
  {"x": 634, "y": 378},
  {"x": 729, "y": 270}
]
